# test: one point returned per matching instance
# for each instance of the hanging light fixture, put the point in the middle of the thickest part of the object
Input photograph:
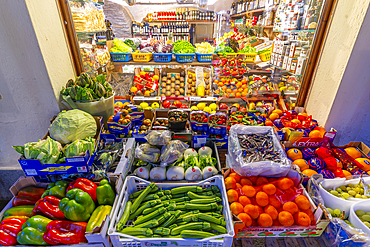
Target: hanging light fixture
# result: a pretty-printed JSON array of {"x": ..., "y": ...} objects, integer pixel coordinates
[
  {"x": 131, "y": 2},
  {"x": 202, "y": 3}
]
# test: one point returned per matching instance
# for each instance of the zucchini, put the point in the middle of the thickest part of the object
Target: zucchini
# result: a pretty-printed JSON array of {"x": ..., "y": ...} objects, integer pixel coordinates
[
  {"x": 136, "y": 194},
  {"x": 126, "y": 214},
  {"x": 164, "y": 217},
  {"x": 191, "y": 226},
  {"x": 181, "y": 223},
  {"x": 218, "y": 228},
  {"x": 160, "y": 193},
  {"x": 133, "y": 231},
  {"x": 174, "y": 212},
  {"x": 150, "y": 216},
  {"x": 148, "y": 224},
  {"x": 200, "y": 207},
  {"x": 212, "y": 188},
  {"x": 211, "y": 219},
  {"x": 205, "y": 201},
  {"x": 172, "y": 226},
  {"x": 195, "y": 234},
  {"x": 165, "y": 197},
  {"x": 162, "y": 231},
  {"x": 141, "y": 197},
  {"x": 150, "y": 197},
  {"x": 147, "y": 204},
  {"x": 172, "y": 219},
  {"x": 207, "y": 193},
  {"x": 192, "y": 195},
  {"x": 152, "y": 209},
  {"x": 181, "y": 199},
  {"x": 179, "y": 195},
  {"x": 185, "y": 189}
]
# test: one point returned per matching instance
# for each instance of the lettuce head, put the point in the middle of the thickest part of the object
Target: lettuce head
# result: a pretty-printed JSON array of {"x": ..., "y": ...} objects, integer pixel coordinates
[{"x": 72, "y": 125}]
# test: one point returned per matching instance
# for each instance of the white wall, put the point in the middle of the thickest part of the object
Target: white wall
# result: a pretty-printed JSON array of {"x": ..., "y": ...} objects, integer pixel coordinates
[
  {"x": 28, "y": 100},
  {"x": 341, "y": 38}
]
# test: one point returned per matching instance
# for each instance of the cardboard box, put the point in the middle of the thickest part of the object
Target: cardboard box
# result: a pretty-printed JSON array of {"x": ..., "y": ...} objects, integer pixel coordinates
[
  {"x": 172, "y": 71},
  {"x": 97, "y": 238},
  {"x": 73, "y": 165},
  {"x": 310, "y": 141},
  {"x": 281, "y": 231},
  {"x": 221, "y": 143}
]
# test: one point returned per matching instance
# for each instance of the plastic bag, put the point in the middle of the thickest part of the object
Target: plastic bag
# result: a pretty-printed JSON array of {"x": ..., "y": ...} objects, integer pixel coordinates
[
  {"x": 172, "y": 152},
  {"x": 147, "y": 152},
  {"x": 246, "y": 166},
  {"x": 158, "y": 138}
]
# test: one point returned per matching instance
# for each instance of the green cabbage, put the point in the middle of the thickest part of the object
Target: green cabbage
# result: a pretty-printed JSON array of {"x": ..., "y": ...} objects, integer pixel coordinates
[
  {"x": 47, "y": 151},
  {"x": 79, "y": 147},
  {"x": 72, "y": 125}
]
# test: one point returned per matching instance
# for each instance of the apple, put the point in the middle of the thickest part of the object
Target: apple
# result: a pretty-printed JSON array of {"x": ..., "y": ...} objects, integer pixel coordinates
[
  {"x": 177, "y": 103},
  {"x": 223, "y": 106},
  {"x": 155, "y": 105},
  {"x": 166, "y": 104}
]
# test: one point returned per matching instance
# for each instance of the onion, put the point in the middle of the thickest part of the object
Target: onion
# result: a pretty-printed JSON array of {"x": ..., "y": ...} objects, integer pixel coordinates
[
  {"x": 190, "y": 151},
  {"x": 205, "y": 152},
  {"x": 175, "y": 173},
  {"x": 158, "y": 173},
  {"x": 142, "y": 172},
  {"x": 209, "y": 171},
  {"x": 193, "y": 173}
]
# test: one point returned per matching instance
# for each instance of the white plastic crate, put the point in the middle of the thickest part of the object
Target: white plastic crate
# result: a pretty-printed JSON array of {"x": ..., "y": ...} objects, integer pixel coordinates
[{"x": 133, "y": 184}]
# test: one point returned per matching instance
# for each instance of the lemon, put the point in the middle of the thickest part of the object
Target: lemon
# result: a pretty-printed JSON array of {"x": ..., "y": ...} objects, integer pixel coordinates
[
  {"x": 207, "y": 109},
  {"x": 144, "y": 105},
  {"x": 194, "y": 108},
  {"x": 201, "y": 106},
  {"x": 259, "y": 103},
  {"x": 252, "y": 106},
  {"x": 213, "y": 112},
  {"x": 213, "y": 106}
]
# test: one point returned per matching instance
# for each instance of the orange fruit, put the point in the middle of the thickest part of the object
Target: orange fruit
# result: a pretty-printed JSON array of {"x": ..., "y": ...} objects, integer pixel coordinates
[
  {"x": 232, "y": 196},
  {"x": 238, "y": 95},
  {"x": 156, "y": 77},
  {"x": 244, "y": 93},
  {"x": 220, "y": 84},
  {"x": 245, "y": 181},
  {"x": 238, "y": 186},
  {"x": 264, "y": 220},
  {"x": 236, "y": 208},
  {"x": 268, "y": 122},
  {"x": 321, "y": 129},
  {"x": 347, "y": 174},
  {"x": 296, "y": 121},
  {"x": 236, "y": 176},
  {"x": 252, "y": 211},
  {"x": 294, "y": 154},
  {"x": 273, "y": 116},
  {"x": 302, "y": 202},
  {"x": 315, "y": 133},
  {"x": 273, "y": 201},
  {"x": 253, "y": 179},
  {"x": 284, "y": 183},
  {"x": 228, "y": 90},
  {"x": 310, "y": 214},
  {"x": 302, "y": 219},
  {"x": 269, "y": 189},
  {"x": 262, "y": 199},
  {"x": 261, "y": 181},
  {"x": 276, "y": 223},
  {"x": 302, "y": 164},
  {"x": 363, "y": 163},
  {"x": 244, "y": 200},
  {"x": 290, "y": 207},
  {"x": 278, "y": 111},
  {"x": 309, "y": 172},
  {"x": 133, "y": 89},
  {"x": 230, "y": 183},
  {"x": 248, "y": 190},
  {"x": 247, "y": 220},
  {"x": 286, "y": 218},
  {"x": 260, "y": 209},
  {"x": 271, "y": 210}
]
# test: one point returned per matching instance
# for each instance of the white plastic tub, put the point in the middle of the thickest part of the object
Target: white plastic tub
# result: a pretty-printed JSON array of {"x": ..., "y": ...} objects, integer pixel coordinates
[
  {"x": 355, "y": 221},
  {"x": 133, "y": 184}
]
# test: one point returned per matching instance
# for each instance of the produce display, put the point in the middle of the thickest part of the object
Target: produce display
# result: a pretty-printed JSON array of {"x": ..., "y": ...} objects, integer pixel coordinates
[
  {"x": 199, "y": 82},
  {"x": 173, "y": 84},
  {"x": 60, "y": 214},
  {"x": 120, "y": 46},
  {"x": 145, "y": 83},
  {"x": 182, "y": 46},
  {"x": 182, "y": 212},
  {"x": 204, "y": 47},
  {"x": 177, "y": 116}
]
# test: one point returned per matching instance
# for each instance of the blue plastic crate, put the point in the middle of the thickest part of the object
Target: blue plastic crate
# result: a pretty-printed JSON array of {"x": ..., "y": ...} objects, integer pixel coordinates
[
  {"x": 162, "y": 57},
  {"x": 184, "y": 58},
  {"x": 204, "y": 57},
  {"x": 121, "y": 57}
]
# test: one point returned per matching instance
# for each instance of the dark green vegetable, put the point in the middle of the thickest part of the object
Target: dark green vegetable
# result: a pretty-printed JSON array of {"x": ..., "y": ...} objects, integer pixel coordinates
[
  {"x": 147, "y": 204},
  {"x": 149, "y": 216},
  {"x": 141, "y": 197},
  {"x": 125, "y": 216}
]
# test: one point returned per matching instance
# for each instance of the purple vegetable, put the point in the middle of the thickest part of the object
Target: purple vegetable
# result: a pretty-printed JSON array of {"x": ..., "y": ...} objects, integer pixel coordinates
[
  {"x": 158, "y": 48},
  {"x": 144, "y": 44},
  {"x": 146, "y": 50},
  {"x": 167, "y": 48}
]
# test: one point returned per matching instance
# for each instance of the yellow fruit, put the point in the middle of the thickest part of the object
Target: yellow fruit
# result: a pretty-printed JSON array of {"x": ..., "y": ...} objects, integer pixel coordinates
[
  {"x": 207, "y": 109},
  {"x": 252, "y": 106},
  {"x": 142, "y": 73},
  {"x": 213, "y": 112},
  {"x": 194, "y": 108},
  {"x": 144, "y": 105},
  {"x": 259, "y": 104},
  {"x": 156, "y": 77},
  {"x": 201, "y": 106},
  {"x": 213, "y": 106}
]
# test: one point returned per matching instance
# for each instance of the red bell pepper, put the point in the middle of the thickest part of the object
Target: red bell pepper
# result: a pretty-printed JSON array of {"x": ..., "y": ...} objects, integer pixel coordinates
[
  {"x": 49, "y": 206},
  {"x": 86, "y": 185},
  {"x": 65, "y": 232},
  {"x": 9, "y": 228},
  {"x": 28, "y": 196}
]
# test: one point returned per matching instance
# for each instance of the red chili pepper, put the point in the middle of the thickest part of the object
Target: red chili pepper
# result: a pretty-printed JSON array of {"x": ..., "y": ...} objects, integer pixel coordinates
[
  {"x": 9, "y": 228},
  {"x": 85, "y": 185},
  {"x": 49, "y": 206},
  {"x": 65, "y": 232},
  {"x": 28, "y": 196}
]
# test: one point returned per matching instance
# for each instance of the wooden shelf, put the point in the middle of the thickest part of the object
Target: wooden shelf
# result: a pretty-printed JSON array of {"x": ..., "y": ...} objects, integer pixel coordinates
[{"x": 173, "y": 62}]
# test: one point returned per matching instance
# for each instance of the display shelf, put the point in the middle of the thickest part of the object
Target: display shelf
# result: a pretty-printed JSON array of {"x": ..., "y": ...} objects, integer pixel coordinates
[
  {"x": 190, "y": 21},
  {"x": 164, "y": 34},
  {"x": 285, "y": 70},
  {"x": 87, "y": 1},
  {"x": 173, "y": 62},
  {"x": 152, "y": 98},
  {"x": 208, "y": 98},
  {"x": 295, "y": 31}
]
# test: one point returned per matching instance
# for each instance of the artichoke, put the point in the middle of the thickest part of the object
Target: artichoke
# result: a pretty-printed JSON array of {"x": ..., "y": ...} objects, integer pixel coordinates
[
  {"x": 74, "y": 92},
  {"x": 100, "y": 90},
  {"x": 83, "y": 80},
  {"x": 70, "y": 83}
]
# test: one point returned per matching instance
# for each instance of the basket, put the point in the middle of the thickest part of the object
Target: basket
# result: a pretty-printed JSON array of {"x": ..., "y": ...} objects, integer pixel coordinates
[
  {"x": 133, "y": 184},
  {"x": 121, "y": 57},
  {"x": 184, "y": 58},
  {"x": 265, "y": 56},
  {"x": 141, "y": 57},
  {"x": 250, "y": 57},
  {"x": 162, "y": 57},
  {"x": 229, "y": 54},
  {"x": 204, "y": 57}
]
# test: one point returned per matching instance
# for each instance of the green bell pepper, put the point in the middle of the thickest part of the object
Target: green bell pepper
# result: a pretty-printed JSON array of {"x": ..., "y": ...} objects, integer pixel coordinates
[
  {"x": 57, "y": 189},
  {"x": 105, "y": 193},
  {"x": 33, "y": 231},
  {"x": 77, "y": 206}
]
